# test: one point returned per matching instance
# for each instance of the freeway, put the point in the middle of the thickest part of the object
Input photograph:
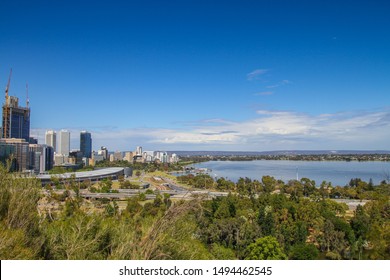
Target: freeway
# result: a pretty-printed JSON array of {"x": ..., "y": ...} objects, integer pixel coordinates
[
  {"x": 180, "y": 189},
  {"x": 181, "y": 193},
  {"x": 351, "y": 203},
  {"x": 173, "y": 186},
  {"x": 175, "y": 191},
  {"x": 120, "y": 196},
  {"x": 124, "y": 194}
]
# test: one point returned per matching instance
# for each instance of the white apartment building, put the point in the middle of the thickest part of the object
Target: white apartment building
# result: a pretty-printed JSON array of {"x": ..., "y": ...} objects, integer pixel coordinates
[
  {"x": 63, "y": 143},
  {"x": 51, "y": 139}
]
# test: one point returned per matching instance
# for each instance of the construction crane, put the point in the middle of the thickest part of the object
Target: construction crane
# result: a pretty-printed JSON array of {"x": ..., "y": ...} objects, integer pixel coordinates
[
  {"x": 27, "y": 100},
  {"x": 7, "y": 88},
  {"x": 6, "y": 109}
]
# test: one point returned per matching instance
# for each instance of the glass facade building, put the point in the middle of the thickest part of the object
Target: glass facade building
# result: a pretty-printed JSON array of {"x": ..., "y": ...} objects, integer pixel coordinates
[
  {"x": 17, "y": 152},
  {"x": 86, "y": 144},
  {"x": 41, "y": 158},
  {"x": 16, "y": 120}
]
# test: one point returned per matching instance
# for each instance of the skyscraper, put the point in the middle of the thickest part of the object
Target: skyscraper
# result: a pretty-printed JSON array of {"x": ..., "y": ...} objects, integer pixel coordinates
[
  {"x": 85, "y": 144},
  {"x": 51, "y": 139},
  {"x": 63, "y": 142},
  {"x": 16, "y": 119}
]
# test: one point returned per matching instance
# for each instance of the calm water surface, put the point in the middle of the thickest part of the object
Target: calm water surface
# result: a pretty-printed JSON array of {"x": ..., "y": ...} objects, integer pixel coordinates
[{"x": 336, "y": 172}]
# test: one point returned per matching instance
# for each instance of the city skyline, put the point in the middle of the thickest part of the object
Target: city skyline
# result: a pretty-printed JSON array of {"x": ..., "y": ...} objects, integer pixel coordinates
[{"x": 231, "y": 75}]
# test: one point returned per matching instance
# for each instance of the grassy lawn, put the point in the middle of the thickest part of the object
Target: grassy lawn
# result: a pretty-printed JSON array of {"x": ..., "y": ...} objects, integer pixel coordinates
[{"x": 162, "y": 174}]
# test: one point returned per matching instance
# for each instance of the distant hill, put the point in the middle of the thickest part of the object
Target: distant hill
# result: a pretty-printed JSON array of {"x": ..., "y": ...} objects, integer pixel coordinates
[{"x": 286, "y": 152}]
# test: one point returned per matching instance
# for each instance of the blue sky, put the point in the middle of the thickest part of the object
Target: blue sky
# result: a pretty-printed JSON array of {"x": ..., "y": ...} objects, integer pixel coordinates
[{"x": 203, "y": 75}]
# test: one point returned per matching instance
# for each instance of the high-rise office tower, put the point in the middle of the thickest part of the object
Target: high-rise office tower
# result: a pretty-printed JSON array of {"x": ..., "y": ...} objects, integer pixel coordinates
[
  {"x": 51, "y": 139},
  {"x": 85, "y": 144},
  {"x": 63, "y": 143},
  {"x": 16, "y": 119}
]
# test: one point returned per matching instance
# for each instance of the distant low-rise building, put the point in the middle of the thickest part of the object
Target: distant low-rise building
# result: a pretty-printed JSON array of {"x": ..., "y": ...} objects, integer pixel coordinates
[
  {"x": 118, "y": 156},
  {"x": 104, "y": 152},
  {"x": 129, "y": 156},
  {"x": 96, "y": 157},
  {"x": 41, "y": 158},
  {"x": 33, "y": 140},
  {"x": 162, "y": 157},
  {"x": 138, "y": 159},
  {"x": 174, "y": 158},
  {"x": 148, "y": 156},
  {"x": 75, "y": 157},
  {"x": 60, "y": 159}
]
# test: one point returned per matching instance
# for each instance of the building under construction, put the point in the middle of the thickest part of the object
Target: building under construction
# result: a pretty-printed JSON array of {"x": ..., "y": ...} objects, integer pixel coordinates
[
  {"x": 16, "y": 119},
  {"x": 15, "y": 133}
]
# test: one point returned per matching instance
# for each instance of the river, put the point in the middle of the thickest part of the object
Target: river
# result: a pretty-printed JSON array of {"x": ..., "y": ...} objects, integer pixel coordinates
[{"x": 337, "y": 172}]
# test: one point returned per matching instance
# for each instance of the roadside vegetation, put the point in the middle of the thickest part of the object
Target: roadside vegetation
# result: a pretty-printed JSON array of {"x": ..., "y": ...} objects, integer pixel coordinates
[{"x": 258, "y": 220}]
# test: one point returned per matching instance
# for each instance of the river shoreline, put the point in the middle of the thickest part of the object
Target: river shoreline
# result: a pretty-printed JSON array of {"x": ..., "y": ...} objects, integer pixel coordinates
[{"x": 337, "y": 172}]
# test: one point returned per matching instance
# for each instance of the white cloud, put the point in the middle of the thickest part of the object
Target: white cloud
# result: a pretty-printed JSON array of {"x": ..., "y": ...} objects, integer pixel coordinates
[
  {"x": 270, "y": 130},
  {"x": 281, "y": 83},
  {"x": 255, "y": 74}
]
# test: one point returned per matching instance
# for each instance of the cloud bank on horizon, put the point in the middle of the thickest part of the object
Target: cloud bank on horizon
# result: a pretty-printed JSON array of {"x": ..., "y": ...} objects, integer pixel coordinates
[{"x": 269, "y": 130}]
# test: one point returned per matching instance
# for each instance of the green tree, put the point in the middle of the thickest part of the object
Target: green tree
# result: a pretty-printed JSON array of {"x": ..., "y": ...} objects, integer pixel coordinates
[
  {"x": 245, "y": 186},
  {"x": 133, "y": 207},
  {"x": 333, "y": 240},
  {"x": 295, "y": 189},
  {"x": 360, "y": 222},
  {"x": 265, "y": 248},
  {"x": 224, "y": 185},
  {"x": 112, "y": 210},
  {"x": 325, "y": 189},
  {"x": 267, "y": 220},
  {"x": 203, "y": 181},
  {"x": 309, "y": 186},
  {"x": 105, "y": 185},
  {"x": 378, "y": 235},
  {"x": 222, "y": 253},
  {"x": 304, "y": 252},
  {"x": 269, "y": 183}
]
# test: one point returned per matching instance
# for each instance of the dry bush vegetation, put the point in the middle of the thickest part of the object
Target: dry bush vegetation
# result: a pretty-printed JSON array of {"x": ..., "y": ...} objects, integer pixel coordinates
[{"x": 240, "y": 226}]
